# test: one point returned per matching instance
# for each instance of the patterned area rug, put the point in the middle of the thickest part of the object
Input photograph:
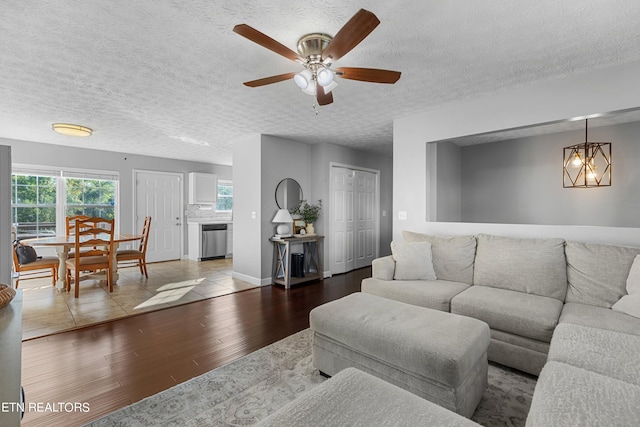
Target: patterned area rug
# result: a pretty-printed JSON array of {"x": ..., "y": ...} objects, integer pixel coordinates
[{"x": 248, "y": 389}]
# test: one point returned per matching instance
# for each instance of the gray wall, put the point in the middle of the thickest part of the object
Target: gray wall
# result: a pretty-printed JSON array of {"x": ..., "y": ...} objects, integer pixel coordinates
[
  {"x": 260, "y": 163},
  {"x": 6, "y": 256},
  {"x": 601, "y": 90},
  {"x": 520, "y": 181},
  {"x": 448, "y": 182},
  {"x": 34, "y": 153}
]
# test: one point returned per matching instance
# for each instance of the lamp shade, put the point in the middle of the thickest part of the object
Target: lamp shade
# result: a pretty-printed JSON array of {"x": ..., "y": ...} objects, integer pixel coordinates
[
  {"x": 282, "y": 217},
  {"x": 324, "y": 77},
  {"x": 304, "y": 78}
]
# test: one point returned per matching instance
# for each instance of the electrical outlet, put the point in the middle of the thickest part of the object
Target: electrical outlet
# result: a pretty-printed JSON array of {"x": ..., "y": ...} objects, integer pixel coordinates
[
  {"x": 402, "y": 215},
  {"x": 254, "y": 215}
]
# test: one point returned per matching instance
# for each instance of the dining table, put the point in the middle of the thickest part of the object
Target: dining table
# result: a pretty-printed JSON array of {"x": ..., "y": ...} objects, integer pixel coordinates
[{"x": 62, "y": 245}]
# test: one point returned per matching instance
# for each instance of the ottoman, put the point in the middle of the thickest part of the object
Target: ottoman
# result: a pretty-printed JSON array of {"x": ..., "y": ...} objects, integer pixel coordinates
[
  {"x": 436, "y": 355},
  {"x": 354, "y": 398}
]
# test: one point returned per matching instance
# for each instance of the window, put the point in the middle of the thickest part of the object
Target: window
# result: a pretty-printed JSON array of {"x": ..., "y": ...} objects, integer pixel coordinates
[
  {"x": 224, "y": 201},
  {"x": 90, "y": 197},
  {"x": 33, "y": 205},
  {"x": 41, "y": 198}
]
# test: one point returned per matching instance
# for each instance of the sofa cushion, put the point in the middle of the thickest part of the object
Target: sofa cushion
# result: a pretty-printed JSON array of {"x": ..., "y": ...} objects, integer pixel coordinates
[
  {"x": 527, "y": 315},
  {"x": 597, "y": 273},
  {"x": 413, "y": 261},
  {"x": 609, "y": 353},
  {"x": 599, "y": 317},
  {"x": 534, "y": 266},
  {"x": 435, "y": 294},
  {"x": 453, "y": 256},
  {"x": 570, "y": 396}
]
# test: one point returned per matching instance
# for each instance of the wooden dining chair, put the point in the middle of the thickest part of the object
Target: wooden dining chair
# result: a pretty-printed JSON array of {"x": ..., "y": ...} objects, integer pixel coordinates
[
  {"x": 133, "y": 257},
  {"x": 36, "y": 269},
  {"x": 71, "y": 223},
  {"x": 93, "y": 247},
  {"x": 71, "y": 229}
]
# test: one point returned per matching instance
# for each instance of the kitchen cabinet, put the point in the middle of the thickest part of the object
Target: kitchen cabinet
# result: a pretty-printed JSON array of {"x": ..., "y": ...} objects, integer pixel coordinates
[
  {"x": 203, "y": 188},
  {"x": 229, "y": 240}
]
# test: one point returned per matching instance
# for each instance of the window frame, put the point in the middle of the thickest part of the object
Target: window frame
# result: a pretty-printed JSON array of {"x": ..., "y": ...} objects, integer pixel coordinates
[
  {"x": 61, "y": 175},
  {"x": 224, "y": 183}
]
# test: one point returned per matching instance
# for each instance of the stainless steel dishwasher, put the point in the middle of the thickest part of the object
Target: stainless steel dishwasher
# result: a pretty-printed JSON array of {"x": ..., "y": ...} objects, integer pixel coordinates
[{"x": 214, "y": 241}]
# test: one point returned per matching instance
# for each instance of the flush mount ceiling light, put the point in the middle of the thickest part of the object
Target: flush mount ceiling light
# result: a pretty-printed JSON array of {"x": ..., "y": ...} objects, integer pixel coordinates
[
  {"x": 588, "y": 164},
  {"x": 71, "y": 130}
]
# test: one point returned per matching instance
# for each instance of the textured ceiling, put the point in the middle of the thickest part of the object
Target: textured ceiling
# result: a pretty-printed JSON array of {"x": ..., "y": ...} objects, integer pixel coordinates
[{"x": 164, "y": 78}]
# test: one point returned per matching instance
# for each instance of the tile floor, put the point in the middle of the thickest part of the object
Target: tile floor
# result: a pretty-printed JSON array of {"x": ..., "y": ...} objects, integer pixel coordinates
[{"x": 45, "y": 310}]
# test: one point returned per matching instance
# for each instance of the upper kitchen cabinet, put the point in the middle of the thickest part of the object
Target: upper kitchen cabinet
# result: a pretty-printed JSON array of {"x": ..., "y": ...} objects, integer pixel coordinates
[{"x": 202, "y": 188}]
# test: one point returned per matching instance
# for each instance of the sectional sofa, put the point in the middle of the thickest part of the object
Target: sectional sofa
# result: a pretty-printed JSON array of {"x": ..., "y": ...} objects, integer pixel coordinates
[
  {"x": 564, "y": 310},
  {"x": 522, "y": 288}
]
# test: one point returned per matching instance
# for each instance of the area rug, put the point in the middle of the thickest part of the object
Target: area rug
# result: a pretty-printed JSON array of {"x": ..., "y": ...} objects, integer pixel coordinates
[{"x": 247, "y": 390}]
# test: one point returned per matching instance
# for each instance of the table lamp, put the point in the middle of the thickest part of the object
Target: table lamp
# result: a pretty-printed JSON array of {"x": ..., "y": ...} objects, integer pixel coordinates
[{"x": 284, "y": 220}]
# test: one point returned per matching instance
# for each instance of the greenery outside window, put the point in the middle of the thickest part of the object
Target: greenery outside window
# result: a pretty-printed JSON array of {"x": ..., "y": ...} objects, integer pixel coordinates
[
  {"x": 90, "y": 197},
  {"x": 33, "y": 205},
  {"x": 41, "y": 198},
  {"x": 224, "y": 201}
]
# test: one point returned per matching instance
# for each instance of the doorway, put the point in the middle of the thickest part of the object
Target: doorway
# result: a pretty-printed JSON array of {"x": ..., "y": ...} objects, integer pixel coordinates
[
  {"x": 159, "y": 194},
  {"x": 355, "y": 223}
]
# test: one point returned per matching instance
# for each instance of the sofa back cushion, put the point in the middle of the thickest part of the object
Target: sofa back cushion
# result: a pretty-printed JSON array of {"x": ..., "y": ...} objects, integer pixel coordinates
[
  {"x": 453, "y": 256},
  {"x": 597, "y": 273},
  {"x": 534, "y": 266}
]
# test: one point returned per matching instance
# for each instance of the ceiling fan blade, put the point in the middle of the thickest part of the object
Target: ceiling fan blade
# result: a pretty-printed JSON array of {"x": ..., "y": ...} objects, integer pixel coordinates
[
  {"x": 269, "y": 80},
  {"x": 352, "y": 33},
  {"x": 322, "y": 97},
  {"x": 373, "y": 75},
  {"x": 266, "y": 41}
]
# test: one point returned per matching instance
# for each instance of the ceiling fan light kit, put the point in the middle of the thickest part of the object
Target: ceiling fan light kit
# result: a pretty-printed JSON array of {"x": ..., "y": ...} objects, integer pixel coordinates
[{"x": 317, "y": 52}]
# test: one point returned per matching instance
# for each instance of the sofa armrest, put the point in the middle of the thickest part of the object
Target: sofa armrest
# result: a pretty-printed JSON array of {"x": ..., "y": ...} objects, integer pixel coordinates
[{"x": 383, "y": 268}]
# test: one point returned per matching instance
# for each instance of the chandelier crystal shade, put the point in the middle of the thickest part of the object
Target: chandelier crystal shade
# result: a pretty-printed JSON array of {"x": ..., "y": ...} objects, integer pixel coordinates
[{"x": 587, "y": 164}]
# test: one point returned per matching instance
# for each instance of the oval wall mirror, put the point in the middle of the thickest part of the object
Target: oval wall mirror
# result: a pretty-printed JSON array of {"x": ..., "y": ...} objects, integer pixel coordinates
[{"x": 288, "y": 194}]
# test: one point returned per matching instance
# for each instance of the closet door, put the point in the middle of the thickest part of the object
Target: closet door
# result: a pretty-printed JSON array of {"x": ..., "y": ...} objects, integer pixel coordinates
[
  {"x": 342, "y": 220},
  {"x": 365, "y": 224},
  {"x": 354, "y": 222}
]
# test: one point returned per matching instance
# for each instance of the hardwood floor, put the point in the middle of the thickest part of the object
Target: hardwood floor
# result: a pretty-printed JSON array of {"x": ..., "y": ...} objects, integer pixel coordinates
[{"x": 112, "y": 365}]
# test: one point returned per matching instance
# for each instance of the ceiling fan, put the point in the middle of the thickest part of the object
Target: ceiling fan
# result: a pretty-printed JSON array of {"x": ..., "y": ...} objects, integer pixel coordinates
[{"x": 317, "y": 52}]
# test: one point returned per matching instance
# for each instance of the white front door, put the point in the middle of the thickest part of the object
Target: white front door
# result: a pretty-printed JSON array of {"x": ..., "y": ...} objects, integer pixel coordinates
[{"x": 159, "y": 194}]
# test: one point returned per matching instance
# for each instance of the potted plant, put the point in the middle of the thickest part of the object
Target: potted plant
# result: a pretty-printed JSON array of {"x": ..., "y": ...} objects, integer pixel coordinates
[{"x": 308, "y": 213}]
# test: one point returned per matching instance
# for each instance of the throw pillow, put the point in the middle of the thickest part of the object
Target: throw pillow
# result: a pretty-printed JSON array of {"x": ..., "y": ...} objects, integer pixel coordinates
[
  {"x": 413, "y": 261},
  {"x": 630, "y": 304}
]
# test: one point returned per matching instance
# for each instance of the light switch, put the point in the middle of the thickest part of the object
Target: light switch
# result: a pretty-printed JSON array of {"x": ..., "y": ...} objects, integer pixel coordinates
[
  {"x": 402, "y": 215},
  {"x": 254, "y": 215}
]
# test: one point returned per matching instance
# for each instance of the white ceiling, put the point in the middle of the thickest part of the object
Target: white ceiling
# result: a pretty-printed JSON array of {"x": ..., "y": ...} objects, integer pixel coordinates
[{"x": 164, "y": 78}]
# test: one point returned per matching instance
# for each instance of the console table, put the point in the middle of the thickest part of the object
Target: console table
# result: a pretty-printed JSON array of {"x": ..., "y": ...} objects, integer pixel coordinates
[{"x": 313, "y": 261}]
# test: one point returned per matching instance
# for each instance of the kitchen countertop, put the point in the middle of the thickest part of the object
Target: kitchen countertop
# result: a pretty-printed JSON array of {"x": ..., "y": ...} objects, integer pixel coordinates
[{"x": 209, "y": 221}]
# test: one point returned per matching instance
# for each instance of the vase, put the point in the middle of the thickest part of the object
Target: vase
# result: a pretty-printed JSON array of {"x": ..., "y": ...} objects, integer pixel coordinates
[{"x": 310, "y": 229}]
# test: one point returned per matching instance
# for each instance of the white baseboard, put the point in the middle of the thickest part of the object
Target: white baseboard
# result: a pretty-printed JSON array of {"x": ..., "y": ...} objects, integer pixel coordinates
[{"x": 251, "y": 279}]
